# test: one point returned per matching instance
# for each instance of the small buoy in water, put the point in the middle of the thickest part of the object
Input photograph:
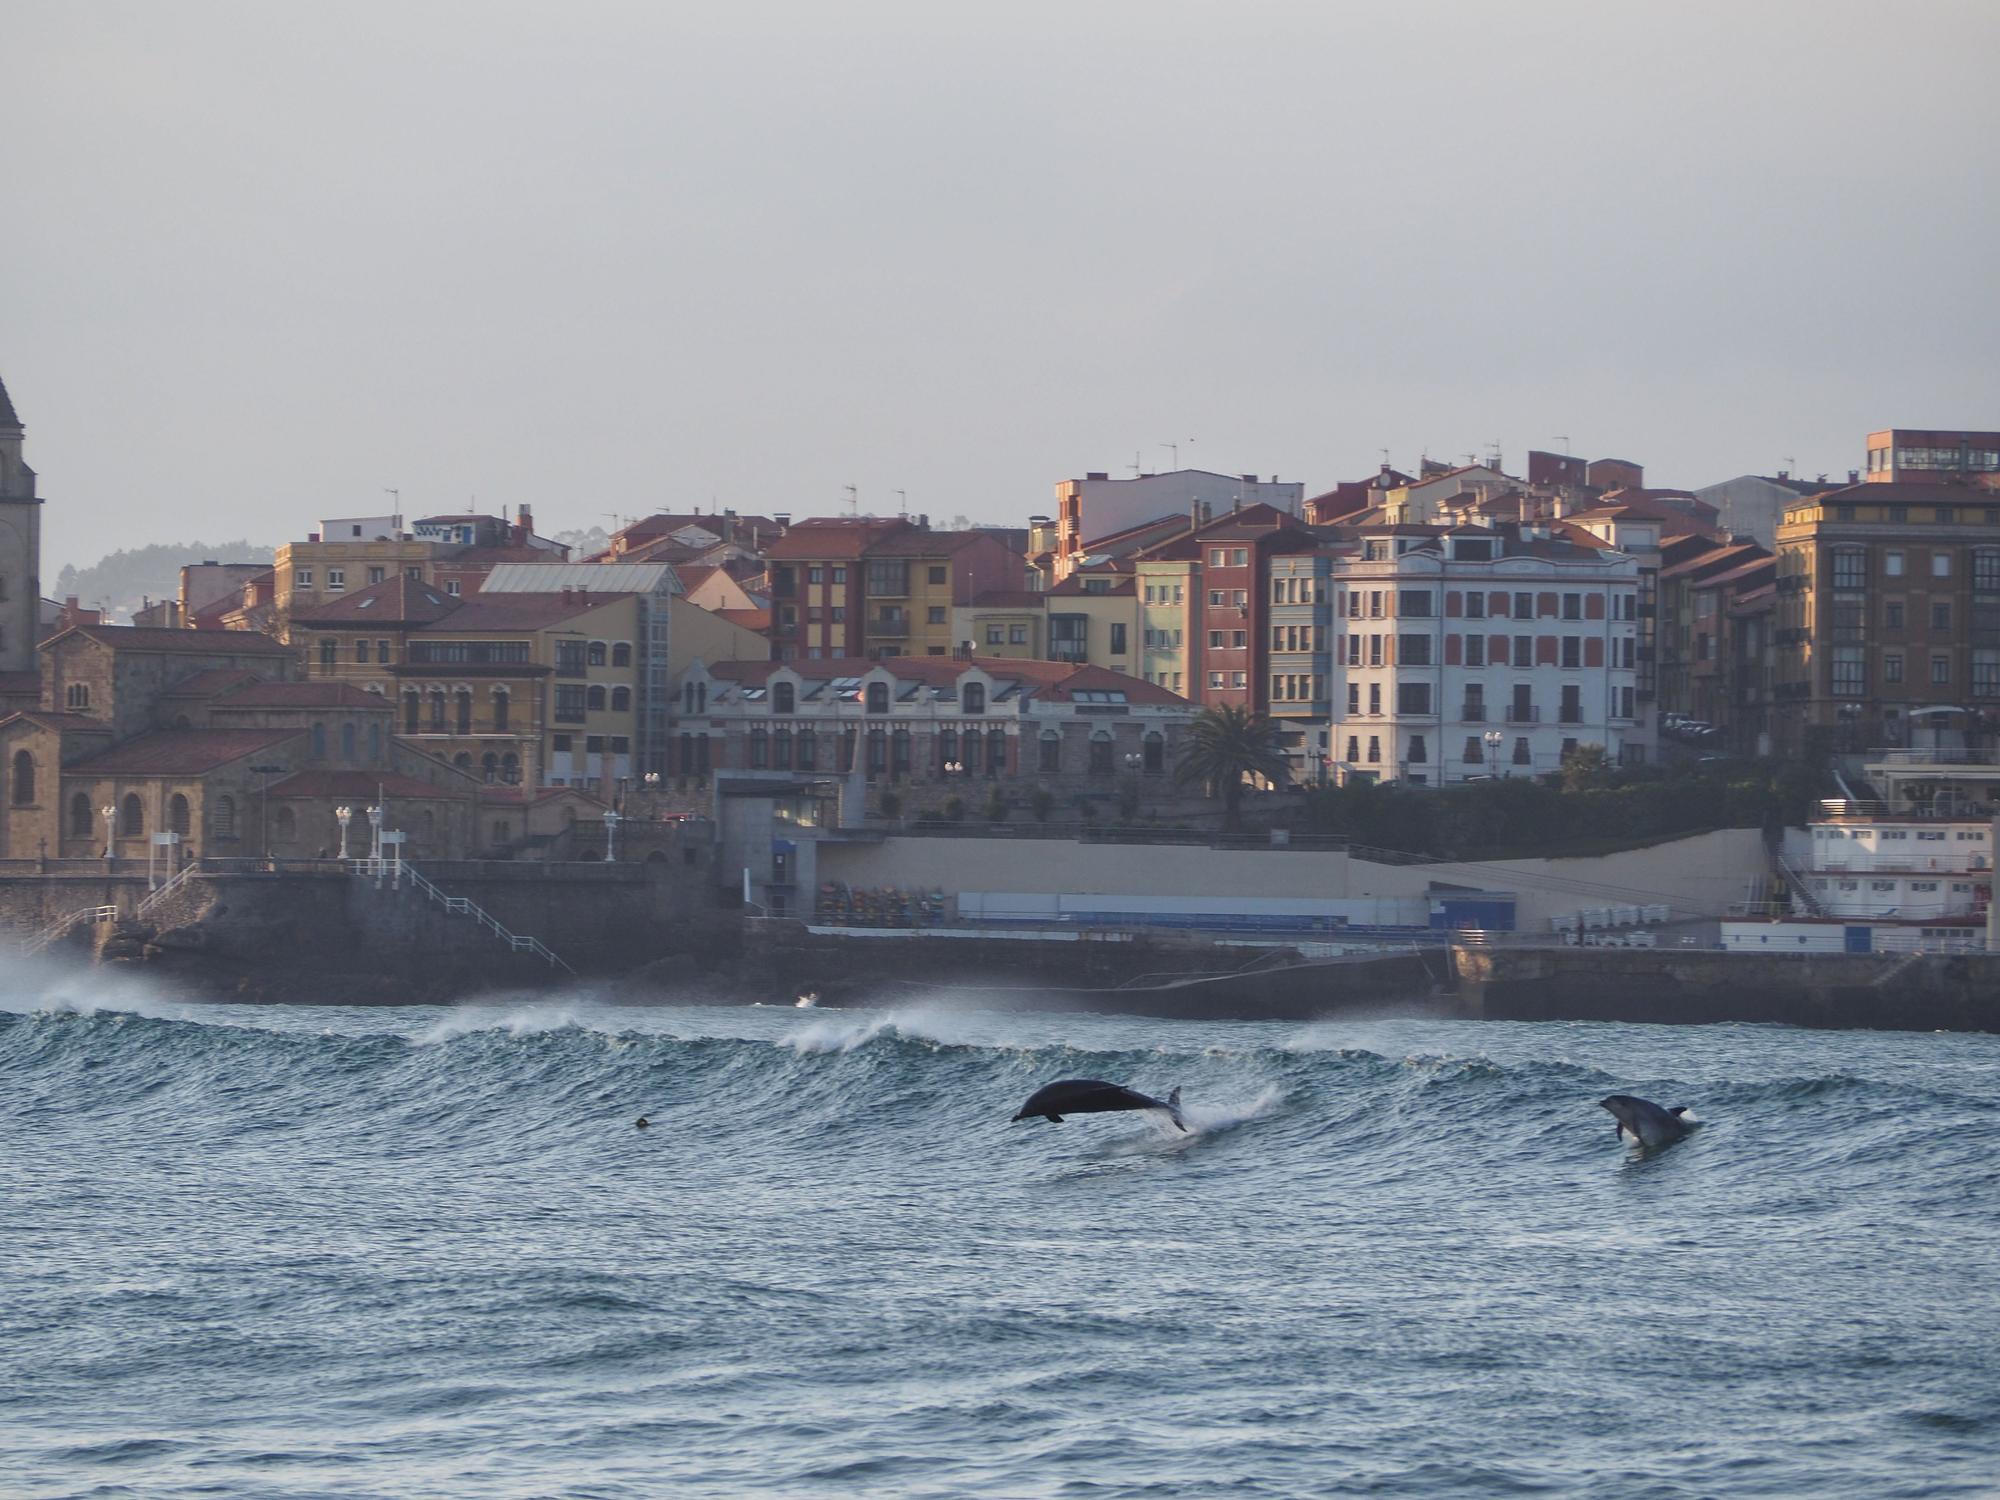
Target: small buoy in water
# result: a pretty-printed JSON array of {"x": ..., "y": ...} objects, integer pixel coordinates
[
  {"x": 643, "y": 1122},
  {"x": 809, "y": 999}
]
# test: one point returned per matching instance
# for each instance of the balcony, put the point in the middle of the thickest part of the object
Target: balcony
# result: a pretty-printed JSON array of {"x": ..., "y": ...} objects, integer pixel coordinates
[
  {"x": 1523, "y": 713},
  {"x": 1569, "y": 716},
  {"x": 892, "y": 629},
  {"x": 1473, "y": 713}
]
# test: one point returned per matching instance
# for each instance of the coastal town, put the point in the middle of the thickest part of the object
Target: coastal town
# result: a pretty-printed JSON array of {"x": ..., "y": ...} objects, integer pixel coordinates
[{"x": 1159, "y": 706}]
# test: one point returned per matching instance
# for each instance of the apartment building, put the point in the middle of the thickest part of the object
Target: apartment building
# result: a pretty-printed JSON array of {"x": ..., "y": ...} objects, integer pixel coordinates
[
  {"x": 1477, "y": 651},
  {"x": 456, "y": 553},
  {"x": 866, "y": 587},
  {"x": 1098, "y": 506},
  {"x": 1300, "y": 660},
  {"x": 1693, "y": 622},
  {"x": 1087, "y": 618},
  {"x": 1910, "y": 455}
]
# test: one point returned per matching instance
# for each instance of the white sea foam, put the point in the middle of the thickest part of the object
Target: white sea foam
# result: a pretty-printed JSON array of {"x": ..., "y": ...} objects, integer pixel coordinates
[
  {"x": 528, "y": 1019},
  {"x": 51, "y": 985}
]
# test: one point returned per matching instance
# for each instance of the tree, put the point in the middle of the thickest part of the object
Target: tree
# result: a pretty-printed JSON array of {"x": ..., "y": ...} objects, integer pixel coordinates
[
  {"x": 1223, "y": 747},
  {"x": 1585, "y": 767}
]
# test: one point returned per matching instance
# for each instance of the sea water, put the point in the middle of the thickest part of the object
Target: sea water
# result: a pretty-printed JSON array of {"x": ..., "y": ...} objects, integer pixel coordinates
[{"x": 255, "y": 1251}]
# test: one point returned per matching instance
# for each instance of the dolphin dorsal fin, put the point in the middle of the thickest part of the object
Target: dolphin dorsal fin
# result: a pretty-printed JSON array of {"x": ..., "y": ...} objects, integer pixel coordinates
[{"x": 1174, "y": 1099}]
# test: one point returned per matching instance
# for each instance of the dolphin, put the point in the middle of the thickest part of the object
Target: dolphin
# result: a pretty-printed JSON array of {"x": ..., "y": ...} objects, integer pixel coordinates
[
  {"x": 1644, "y": 1122},
  {"x": 1093, "y": 1096}
]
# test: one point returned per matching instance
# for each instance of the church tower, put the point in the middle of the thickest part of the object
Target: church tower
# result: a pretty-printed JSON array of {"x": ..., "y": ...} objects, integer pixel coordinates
[{"x": 20, "y": 547}]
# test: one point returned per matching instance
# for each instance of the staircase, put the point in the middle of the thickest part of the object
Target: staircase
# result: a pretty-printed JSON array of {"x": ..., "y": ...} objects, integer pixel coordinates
[
  {"x": 155, "y": 897},
  {"x": 1801, "y": 892},
  {"x": 401, "y": 873},
  {"x": 62, "y": 926}
]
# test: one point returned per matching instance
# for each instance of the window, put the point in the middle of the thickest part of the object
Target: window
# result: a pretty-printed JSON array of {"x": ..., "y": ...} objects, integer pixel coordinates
[
  {"x": 1570, "y": 711},
  {"x": 24, "y": 779},
  {"x": 1413, "y": 650},
  {"x": 1524, "y": 606},
  {"x": 348, "y": 738},
  {"x": 1940, "y": 565},
  {"x": 934, "y": 614},
  {"x": 1215, "y": 640},
  {"x": 1850, "y": 568},
  {"x": 1413, "y": 698},
  {"x": 1986, "y": 674},
  {"x": 784, "y": 698},
  {"x": 1521, "y": 755},
  {"x": 760, "y": 749},
  {"x": 621, "y": 654},
  {"x": 1850, "y": 673},
  {"x": 1475, "y": 651},
  {"x": 1100, "y": 753},
  {"x": 993, "y": 635},
  {"x": 972, "y": 698},
  {"x": 939, "y": 575},
  {"x": 376, "y": 575},
  {"x": 570, "y": 659},
  {"x": 336, "y": 580},
  {"x": 79, "y": 817},
  {"x": 1215, "y": 679},
  {"x": 1050, "y": 758},
  {"x": 1892, "y": 564},
  {"x": 1017, "y": 635},
  {"x": 596, "y": 653},
  {"x": 77, "y": 695},
  {"x": 1475, "y": 605},
  {"x": 1524, "y": 651},
  {"x": 451, "y": 587},
  {"x": 621, "y": 700},
  {"x": 1414, "y": 603},
  {"x": 837, "y": 575},
  {"x": 131, "y": 817},
  {"x": 329, "y": 654},
  {"x": 1572, "y": 650},
  {"x": 594, "y": 700},
  {"x": 1471, "y": 755},
  {"x": 1374, "y": 750},
  {"x": 1419, "y": 752},
  {"x": 1941, "y": 615},
  {"x": 361, "y": 651},
  {"x": 1940, "y": 669},
  {"x": 887, "y": 578},
  {"x": 1153, "y": 750},
  {"x": 569, "y": 707},
  {"x": 302, "y": 578},
  {"x": 382, "y": 652},
  {"x": 1118, "y": 638},
  {"x": 1892, "y": 615},
  {"x": 1353, "y": 700},
  {"x": 1374, "y": 697},
  {"x": 878, "y": 698},
  {"x": 1892, "y": 666}
]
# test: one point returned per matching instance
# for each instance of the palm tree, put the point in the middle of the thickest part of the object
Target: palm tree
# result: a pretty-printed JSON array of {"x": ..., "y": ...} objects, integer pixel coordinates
[{"x": 1223, "y": 746}]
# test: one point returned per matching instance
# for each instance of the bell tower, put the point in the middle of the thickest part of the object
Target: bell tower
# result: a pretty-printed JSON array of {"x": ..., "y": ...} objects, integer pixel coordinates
[{"x": 20, "y": 547}]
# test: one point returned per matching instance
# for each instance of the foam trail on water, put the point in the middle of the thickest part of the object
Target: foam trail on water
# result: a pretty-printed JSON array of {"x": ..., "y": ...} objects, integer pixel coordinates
[
  {"x": 831, "y": 1035},
  {"x": 39, "y": 984}
]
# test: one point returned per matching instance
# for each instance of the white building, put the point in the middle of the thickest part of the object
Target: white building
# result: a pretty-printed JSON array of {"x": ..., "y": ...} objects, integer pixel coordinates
[
  {"x": 1479, "y": 651},
  {"x": 1099, "y": 506}
]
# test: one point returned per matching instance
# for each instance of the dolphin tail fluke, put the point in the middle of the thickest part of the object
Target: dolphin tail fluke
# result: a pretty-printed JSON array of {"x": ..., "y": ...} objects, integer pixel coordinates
[{"x": 1174, "y": 1110}]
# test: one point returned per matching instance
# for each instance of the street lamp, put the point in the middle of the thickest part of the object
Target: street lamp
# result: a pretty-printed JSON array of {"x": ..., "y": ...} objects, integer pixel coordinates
[
  {"x": 264, "y": 797},
  {"x": 1133, "y": 760},
  {"x": 953, "y": 767},
  {"x": 342, "y": 815},
  {"x": 611, "y": 822},
  {"x": 1494, "y": 739},
  {"x": 375, "y": 833},
  {"x": 110, "y": 832}
]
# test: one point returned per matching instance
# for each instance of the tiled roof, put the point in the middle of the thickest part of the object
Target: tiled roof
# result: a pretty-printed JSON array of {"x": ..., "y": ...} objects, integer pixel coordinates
[
  {"x": 1007, "y": 599},
  {"x": 181, "y": 642},
  {"x": 1742, "y": 571},
  {"x": 360, "y": 786},
  {"x": 211, "y": 681},
  {"x": 20, "y": 684},
  {"x": 401, "y": 600},
  {"x": 1904, "y": 493},
  {"x": 749, "y": 619},
  {"x": 1047, "y": 679},
  {"x": 302, "y": 695},
  {"x": 488, "y": 558},
  {"x": 519, "y": 611},
  {"x": 831, "y": 536},
  {"x": 516, "y": 796},
  {"x": 1073, "y": 587},
  {"x": 182, "y": 752},
  {"x": 920, "y": 543},
  {"x": 1715, "y": 557},
  {"x": 67, "y": 723}
]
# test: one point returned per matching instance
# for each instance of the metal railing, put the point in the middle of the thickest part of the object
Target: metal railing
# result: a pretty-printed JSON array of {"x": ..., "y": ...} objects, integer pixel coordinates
[
  {"x": 1800, "y": 888},
  {"x": 1932, "y": 757},
  {"x": 62, "y": 926},
  {"x": 399, "y": 871},
  {"x": 159, "y": 893}
]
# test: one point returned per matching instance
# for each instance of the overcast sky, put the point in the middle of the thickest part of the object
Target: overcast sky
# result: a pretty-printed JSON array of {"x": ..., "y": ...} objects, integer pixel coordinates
[{"x": 261, "y": 261}]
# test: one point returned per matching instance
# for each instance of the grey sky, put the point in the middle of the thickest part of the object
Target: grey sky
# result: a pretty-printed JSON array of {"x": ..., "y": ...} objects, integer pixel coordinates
[{"x": 259, "y": 261}]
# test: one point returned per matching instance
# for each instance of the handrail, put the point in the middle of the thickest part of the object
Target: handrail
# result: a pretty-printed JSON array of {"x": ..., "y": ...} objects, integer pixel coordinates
[
  {"x": 459, "y": 906},
  {"x": 63, "y": 925},
  {"x": 173, "y": 882}
]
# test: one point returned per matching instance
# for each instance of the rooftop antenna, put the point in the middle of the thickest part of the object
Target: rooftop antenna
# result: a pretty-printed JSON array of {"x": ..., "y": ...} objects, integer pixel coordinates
[
  {"x": 902, "y": 502},
  {"x": 853, "y": 499},
  {"x": 1495, "y": 461},
  {"x": 1137, "y": 466},
  {"x": 1175, "y": 450},
  {"x": 1563, "y": 438},
  {"x": 1385, "y": 456},
  {"x": 1790, "y": 463}
]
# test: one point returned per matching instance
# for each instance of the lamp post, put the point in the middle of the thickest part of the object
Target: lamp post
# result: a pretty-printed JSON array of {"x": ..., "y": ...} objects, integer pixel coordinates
[
  {"x": 611, "y": 822},
  {"x": 1494, "y": 739},
  {"x": 953, "y": 767},
  {"x": 110, "y": 833},
  {"x": 375, "y": 832},
  {"x": 265, "y": 773},
  {"x": 341, "y": 816}
]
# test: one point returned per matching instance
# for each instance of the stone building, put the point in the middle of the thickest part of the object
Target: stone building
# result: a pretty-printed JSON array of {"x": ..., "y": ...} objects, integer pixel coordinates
[
  {"x": 20, "y": 549},
  {"x": 930, "y": 721}
]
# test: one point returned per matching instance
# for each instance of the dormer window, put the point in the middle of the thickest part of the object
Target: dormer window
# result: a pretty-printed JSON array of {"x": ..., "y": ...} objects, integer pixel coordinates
[
  {"x": 878, "y": 697},
  {"x": 783, "y": 698},
  {"x": 972, "y": 699}
]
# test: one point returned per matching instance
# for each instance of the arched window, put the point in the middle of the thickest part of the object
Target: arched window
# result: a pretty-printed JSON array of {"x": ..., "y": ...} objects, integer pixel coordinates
[
  {"x": 970, "y": 759},
  {"x": 502, "y": 702},
  {"x": 80, "y": 825},
  {"x": 784, "y": 698},
  {"x": 510, "y": 768},
  {"x": 412, "y": 713},
  {"x": 24, "y": 779},
  {"x": 437, "y": 710},
  {"x": 974, "y": 698},
  {"x": 621, "y": 700},
  {"x": 878, "y": 697},
  {"x": 462, "y": 702},
  {"x": 844, "y": 750},
  {"x": 687, "y": 753},
  {"x": 177, "y": 815},
  {"x": 687, "y": 697},
  {"x": 899, "y": 752},
  {"x": 224, "y": 821},
  {"x": 131, "y": 817},
  {"x": 319, "y": 742},
  {"x": 1051, "y": 752},
  {"x": 595, "y": 653},
  {"x": 1155, "y": 747},
  {"x": 621, "y": 654},
  {"x": 288, "y": 825},
  {"x": 760, "y": 749},
  {"x": 781, "y": 750},
  {"x": 347, "y": 741},
  {"x": 947, "y": 743},
  {"x": 374, "y": 744},
  {"x": 1100, "y": 752},
  {"x": 996, "y": 751},
  {"x": 489, "y": 766},
  {"x": 463, "y": 760},
  {"x": 503, "y": 832},
  {"x": 701, "y": 697},
  {"x": 77, "y": 696},
  {"x": 878, "y": 752},
  {"x": 808, "y": 749},
  {"x": 595, "y": 699}
]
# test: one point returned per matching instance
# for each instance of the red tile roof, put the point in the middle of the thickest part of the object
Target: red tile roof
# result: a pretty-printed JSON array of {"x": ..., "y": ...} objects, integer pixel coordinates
[
  {"x": 361, "y": 786},
  {"x": 515, "y": 796},
  {"x": 749, "y": 619},
  {"x": 917, "y": 542},
  {"x": 182, "y": 752},
  {"x": 67, "y": 723},
  {"x": 212, "y": 681},
  {"x": 1073, "y": 587},
  {"x": 394, "y": 601},
  {"x": 20, "y": 684},
  {"x": 836, "y": 537},
  {"x": 180, "y": 642}
]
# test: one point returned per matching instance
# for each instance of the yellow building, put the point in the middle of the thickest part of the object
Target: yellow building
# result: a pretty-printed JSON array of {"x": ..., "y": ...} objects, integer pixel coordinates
[{"x": 1166, "y": 637}]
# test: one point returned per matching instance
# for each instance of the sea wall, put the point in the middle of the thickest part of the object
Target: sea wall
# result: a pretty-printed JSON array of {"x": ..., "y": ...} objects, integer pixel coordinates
[{"x": 1896, "y": 992}]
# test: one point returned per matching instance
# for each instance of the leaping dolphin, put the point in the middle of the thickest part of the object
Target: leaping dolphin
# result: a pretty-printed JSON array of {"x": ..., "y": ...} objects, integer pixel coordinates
[
  {"x": 1644, "y": 1122},
  {"x": 1093, "y": 1096}
]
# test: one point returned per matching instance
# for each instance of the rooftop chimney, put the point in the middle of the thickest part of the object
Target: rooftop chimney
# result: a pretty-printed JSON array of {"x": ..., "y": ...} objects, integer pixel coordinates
[
  {"x": 1854, "y": 476},
  {"x": 1097, "y": 476}
]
